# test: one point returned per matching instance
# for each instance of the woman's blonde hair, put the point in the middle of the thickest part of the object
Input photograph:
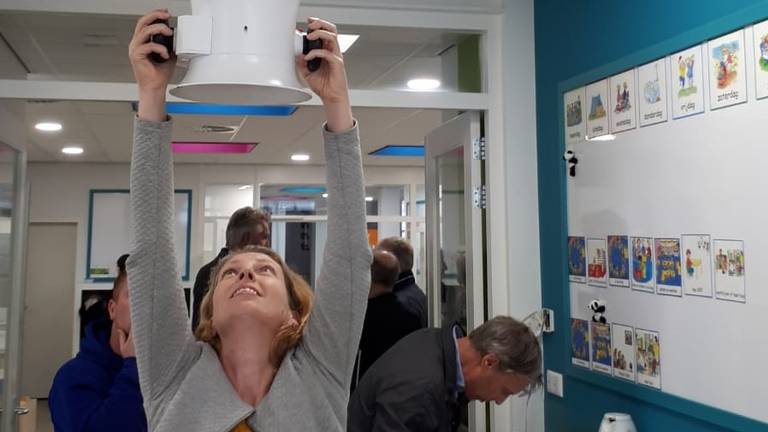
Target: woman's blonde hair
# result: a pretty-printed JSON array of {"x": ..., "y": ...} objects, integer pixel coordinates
[{"x": 299, "y": 300}]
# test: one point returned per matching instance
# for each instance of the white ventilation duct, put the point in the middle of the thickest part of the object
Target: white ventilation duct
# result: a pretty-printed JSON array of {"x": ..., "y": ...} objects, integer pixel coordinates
[{"x": 241, "y": 52}]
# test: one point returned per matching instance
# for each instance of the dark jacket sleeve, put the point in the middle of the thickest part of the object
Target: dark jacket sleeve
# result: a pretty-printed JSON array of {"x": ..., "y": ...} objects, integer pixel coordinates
[{"x": 78, "y": 403}]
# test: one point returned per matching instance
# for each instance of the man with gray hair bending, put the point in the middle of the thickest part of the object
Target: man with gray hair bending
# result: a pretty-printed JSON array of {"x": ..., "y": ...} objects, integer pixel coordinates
[{"x": 423, "y": 381}]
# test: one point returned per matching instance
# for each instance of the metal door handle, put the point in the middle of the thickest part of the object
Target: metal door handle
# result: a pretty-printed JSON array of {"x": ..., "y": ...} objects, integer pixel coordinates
[{"x": 18, "y": 411}]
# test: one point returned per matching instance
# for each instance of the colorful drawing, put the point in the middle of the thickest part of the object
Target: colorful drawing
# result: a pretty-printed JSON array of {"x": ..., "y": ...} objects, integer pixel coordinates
[
  {"x": 580, "y": 342},
  {"x": 577, "y": 259},
  {"x": 760, "y": 38},
  {"x": 624, "y": 115},
  {"x": 618, "y": 260},
  {"x": 597, "y": 262},
  {"x": 668, "y": 268},
  {"x": 648, "y": 356},
  {"x": 575, "y": 126},
  {"x": 729, "y": 270},
  {"x": 687, "y": 99},
  {"x": 697, "y": 267},
  {"x": 726, "y": 60},
  {"x": 653, "y": 104},
  {"x": 642, "y": 263},
  {"x": 596, "y": 110},
  {"x": 623, "y": 353},
  {"x": 622, "y": 98},
  {"x": 763, "y": 60},
  {"x": 601, "y": 347},
  {"x": 685, "y": 67},
  {"x": 598, "y": 97},
  {"x": 652, "y": 87},
  {"x": 727, "y": 76},
  {"x": 574, "y": 112}
]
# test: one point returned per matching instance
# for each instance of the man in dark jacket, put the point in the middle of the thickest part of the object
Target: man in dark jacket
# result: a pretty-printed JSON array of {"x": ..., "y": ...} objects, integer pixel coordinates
[
  {"x": 406, "y": 289},
  {"x": 386, "y": 319},
  {"x": 425, "y": 380},
  {"x": 99, "y": 390},
  {"x": 247, "y": 226}
]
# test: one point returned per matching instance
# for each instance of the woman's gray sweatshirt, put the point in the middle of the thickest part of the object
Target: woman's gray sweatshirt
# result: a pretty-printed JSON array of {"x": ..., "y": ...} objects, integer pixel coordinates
[{"x": 183, "y": 383}]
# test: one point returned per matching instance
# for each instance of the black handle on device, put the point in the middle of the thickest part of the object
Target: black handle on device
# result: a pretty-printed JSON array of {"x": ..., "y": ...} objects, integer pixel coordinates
[
  {"x": 310, "y": 45},
  {"x": 166, "y": 41}
]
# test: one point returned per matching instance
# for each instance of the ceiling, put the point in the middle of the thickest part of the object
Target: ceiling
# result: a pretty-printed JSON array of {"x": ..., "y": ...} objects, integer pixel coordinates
[
  {"x": 93, "y": 48},
  {"x": 105, "y": 130}
]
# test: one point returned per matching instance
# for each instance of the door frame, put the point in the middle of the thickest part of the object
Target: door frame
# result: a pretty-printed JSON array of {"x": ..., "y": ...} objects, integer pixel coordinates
[
  {"x": 12, "y": 370},
  {"x": 467, "y": 130}
]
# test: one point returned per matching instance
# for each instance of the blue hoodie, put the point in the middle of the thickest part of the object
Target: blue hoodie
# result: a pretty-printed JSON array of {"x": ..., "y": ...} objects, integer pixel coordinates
[{"x": 97, "y": 390}]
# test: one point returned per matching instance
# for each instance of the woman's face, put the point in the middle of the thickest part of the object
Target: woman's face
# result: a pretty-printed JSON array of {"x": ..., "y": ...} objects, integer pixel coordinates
[{"x": 251, "y": 287}]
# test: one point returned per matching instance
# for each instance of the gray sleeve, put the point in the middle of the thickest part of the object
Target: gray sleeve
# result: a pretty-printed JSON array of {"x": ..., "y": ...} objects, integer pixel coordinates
[
  {"x": 341, "y": 294},
  {"x": 164, "y": 344}
]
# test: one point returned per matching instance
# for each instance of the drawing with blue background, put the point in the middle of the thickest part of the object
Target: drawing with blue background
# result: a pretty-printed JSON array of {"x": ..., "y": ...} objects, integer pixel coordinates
[{"x": 577, "y": 257}]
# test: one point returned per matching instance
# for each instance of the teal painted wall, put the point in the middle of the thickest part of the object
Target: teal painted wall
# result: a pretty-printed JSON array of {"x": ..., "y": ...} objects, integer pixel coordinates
[{"x": 578, "y": 41}]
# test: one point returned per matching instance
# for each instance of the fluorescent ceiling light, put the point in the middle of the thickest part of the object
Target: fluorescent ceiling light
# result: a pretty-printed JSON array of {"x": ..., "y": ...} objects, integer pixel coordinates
[
  {"x": 244, "y": 187},
  {"x": 229, "y": 110},
  {"x": 368, "y": 199},
  {"x": 304, "y": 190},
  {"x": 602, "y": 138},
  {"x": 212, "y": 147},
  {"x": 48, "y": 126},
  {"x": 346, "y": 41},
  {"x": 72, "y": 150},
  {"x": 423, "y": 84},
  {"x": 399, "y": 151},
  {"x": 298, "y": 157}
]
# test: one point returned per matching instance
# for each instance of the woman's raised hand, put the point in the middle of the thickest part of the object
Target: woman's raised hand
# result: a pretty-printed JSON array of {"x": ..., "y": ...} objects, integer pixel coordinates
[
  {"x": 330, "y": 81},
  {"x": 152, "y": 77}
]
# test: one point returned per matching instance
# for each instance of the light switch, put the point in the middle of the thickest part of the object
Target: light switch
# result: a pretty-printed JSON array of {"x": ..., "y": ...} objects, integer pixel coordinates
[{"x": 555, "y": 383}]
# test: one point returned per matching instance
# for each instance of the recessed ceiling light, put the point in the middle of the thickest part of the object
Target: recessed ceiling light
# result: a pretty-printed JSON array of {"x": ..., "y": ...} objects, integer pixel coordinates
[
  {"x": 602, "y": 138},
  {"x": 423, "y": 84},
  {"x": 48, "y": 126},
  {"x": 368, "y": 199},
  {"x": 72, "y": 150},
  {"x": 244, "y": 187},
  {"x": 299, "y": 157},
  {"x": 325, "y": 195},
  {"x": 346, "y": 41}
]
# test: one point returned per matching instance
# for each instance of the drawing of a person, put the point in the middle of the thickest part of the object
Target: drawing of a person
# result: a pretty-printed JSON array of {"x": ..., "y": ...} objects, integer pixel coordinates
[
  {"x": 689, "y": 268},
  {"x": 689, "y": 65},
  {"x": 625, "y": 97},
  {"x": 764, "y": 47},
  {"x": 681, "y": 68}
]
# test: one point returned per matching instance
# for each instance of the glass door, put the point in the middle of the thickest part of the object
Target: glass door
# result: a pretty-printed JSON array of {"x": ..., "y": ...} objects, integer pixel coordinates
[
  {"x": 455, "y": 201},
  {"x": 12, "y": 242}
]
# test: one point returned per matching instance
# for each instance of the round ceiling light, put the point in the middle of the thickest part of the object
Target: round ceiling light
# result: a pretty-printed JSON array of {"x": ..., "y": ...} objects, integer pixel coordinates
[
  {"x": 423, "y": 84},
  {"x": 72, "y": 150},
  {"x": 48, "y": 126}
]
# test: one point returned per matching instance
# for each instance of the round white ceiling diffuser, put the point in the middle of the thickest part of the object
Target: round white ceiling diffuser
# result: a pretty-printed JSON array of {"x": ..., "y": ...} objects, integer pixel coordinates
[{"x": 240, "y": 52}]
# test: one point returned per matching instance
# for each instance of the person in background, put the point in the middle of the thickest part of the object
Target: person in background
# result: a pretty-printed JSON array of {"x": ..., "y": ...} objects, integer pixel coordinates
[
  {"x": 247, "y": 226},
  {"x": 423, "y": 382},
  {"x": 406, "y": 289},
  {"x": 387, "y": 320},
  {"x": 98, "y": 390}
]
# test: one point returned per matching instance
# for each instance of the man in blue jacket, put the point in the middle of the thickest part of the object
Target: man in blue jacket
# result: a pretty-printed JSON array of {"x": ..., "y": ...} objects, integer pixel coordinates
[{"x": 98, "y": 390}]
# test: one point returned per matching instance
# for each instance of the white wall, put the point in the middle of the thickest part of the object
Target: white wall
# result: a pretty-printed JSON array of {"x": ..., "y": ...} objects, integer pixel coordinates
[
  {"x": 60, "y": 191},
  {"x": 521, "y": 182}
]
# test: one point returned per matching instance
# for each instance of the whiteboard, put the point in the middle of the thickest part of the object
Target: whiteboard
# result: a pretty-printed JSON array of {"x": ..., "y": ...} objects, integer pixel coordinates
[
  {"x": 110, "y": 232},
  {"x": 705, "y": 174}
]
